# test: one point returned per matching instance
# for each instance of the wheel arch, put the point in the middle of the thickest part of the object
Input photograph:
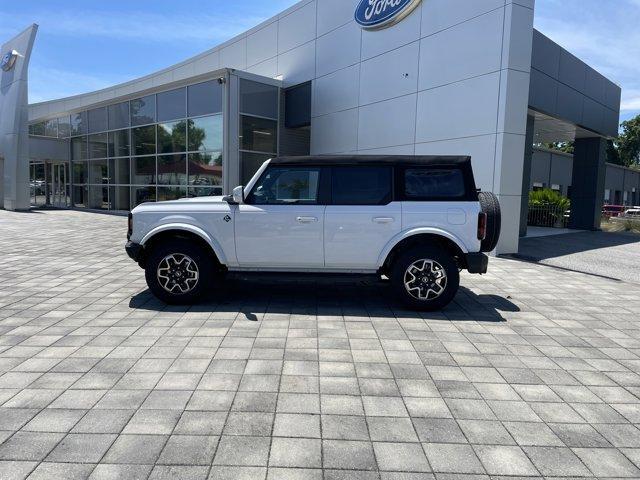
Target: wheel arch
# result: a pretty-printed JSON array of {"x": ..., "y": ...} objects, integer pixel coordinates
[
  {"x": 189, "y": 232},
  {"x": 445, "y": 240}
]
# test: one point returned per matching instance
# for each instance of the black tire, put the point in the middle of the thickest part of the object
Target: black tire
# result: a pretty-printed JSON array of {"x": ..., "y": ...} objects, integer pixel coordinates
[
  {"x": 183, "y": 251},
  {"x": 425, "y": 252},
  {"x": 490, "y": 205}
]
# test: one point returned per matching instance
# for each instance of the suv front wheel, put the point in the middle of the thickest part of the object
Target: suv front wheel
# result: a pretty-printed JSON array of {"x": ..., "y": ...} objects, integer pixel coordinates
[
  {"x": 425, "y": 278},
  {"x": 178, "y": 272}
]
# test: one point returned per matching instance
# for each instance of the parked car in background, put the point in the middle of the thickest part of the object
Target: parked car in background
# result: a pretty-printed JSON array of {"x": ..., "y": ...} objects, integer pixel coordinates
[
  {"x": 415, "y": 220},
  {"x": 632, "y": 213},
  {"x": 609, "y": 211}
]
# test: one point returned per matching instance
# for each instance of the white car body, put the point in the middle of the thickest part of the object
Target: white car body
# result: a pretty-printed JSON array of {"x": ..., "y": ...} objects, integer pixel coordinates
[{"x": 306, "y": 238}]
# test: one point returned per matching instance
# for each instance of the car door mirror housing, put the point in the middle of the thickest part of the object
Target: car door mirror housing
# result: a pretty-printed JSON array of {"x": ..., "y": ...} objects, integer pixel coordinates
[
  {"x": 237, "y": 197},
  {"x": 238, "y": 194}
]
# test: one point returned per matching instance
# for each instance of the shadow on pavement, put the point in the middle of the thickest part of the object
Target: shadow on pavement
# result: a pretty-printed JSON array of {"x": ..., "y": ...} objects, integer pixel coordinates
[
  {"x": 254, "y": 296},
  {"x": 542, "y": 248}
]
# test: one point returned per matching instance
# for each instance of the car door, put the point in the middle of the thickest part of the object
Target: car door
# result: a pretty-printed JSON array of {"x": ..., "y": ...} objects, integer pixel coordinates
[
  {"x": 281, "y": 224},
  {"x": 362, "y": 216}
]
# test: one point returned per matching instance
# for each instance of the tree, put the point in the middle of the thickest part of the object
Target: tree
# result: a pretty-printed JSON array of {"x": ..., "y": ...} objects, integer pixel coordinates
[
  {"x": 628, "y": 143},
  {"x": 613, "y": 156}
]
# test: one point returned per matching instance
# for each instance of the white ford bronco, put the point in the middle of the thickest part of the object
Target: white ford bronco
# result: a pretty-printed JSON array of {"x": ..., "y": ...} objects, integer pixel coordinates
[{"x": 417, "y": 221}]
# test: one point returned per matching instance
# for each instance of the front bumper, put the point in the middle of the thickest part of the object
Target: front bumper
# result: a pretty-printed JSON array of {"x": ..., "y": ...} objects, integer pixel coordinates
[
  {"x": 135, "y": 251},
  {"x": 477, "y": 262}
]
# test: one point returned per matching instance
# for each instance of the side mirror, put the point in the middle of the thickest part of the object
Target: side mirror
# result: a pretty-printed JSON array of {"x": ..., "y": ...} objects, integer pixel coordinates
[
  {"x": 236, "y": 197},
  {"x": 238, "y": 194}
]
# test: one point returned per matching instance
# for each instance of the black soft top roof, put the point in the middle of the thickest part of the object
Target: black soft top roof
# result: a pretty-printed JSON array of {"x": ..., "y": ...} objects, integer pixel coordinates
[{"x": 341, "y": 160}]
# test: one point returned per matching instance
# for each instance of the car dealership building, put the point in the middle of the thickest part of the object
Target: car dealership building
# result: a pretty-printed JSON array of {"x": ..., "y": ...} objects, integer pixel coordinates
[{"x": 459, "y": 77}]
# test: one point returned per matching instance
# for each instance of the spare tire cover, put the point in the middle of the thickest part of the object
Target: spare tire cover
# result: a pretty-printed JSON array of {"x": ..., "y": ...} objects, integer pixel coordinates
[{"x": 490, "y": 205}]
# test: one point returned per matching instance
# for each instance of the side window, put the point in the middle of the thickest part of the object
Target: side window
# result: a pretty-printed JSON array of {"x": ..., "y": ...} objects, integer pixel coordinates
[
  {"x": 284, "y": 186},
  {"x": 361, "y": 185},
  {"x": 433, "y": 184}
]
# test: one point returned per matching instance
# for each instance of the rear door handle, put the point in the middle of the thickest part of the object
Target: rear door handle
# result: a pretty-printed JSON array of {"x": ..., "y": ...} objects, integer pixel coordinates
[
  {"x": 384, "y": 219},
  {"x": 306, "y": 219}
]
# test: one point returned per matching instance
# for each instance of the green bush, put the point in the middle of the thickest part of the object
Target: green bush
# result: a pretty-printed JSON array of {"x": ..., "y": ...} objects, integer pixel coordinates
[{"x": 549, "y": 198}]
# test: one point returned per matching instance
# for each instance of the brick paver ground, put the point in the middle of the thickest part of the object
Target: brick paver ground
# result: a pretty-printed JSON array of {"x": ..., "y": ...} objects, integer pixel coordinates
[{"x": 533, "y": 372}]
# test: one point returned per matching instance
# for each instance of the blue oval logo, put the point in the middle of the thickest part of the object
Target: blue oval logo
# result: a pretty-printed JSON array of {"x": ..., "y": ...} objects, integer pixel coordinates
[{"x": 377, "y": 14}]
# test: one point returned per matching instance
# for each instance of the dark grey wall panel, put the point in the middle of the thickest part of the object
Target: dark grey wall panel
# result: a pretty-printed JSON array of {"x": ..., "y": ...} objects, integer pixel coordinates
[
  {"x": 546, "y": 55},
  {"x": 594, "y": 85},
  {"x": 611, "y": 122},
  {"x": 572, "y": 71},
  {"x": 540, "y": 168},
  {"x": 570, "y": 104},
  {"x": 565, "y": 87},
  {"x": 543, "y": 92},
  {"x": 612, "y": 95},
  {"x": 561, "y": 171},
  {"x": 593, "y": 115},
  {"x": 615, "y": 178}
]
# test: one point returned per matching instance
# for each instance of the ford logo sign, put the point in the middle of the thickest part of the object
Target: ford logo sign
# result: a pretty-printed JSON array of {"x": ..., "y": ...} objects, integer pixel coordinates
[
  {"x": 377, "y": 14},
  {"x": 8, "y": 60}
]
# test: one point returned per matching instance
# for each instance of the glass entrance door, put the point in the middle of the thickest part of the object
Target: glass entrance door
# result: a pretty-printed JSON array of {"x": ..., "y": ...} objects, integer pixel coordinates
[{"x": 60, "y": 185}]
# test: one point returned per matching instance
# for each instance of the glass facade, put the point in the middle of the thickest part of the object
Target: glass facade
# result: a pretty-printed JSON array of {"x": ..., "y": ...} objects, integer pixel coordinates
[
  {"x": 258, "y": 126},
  {"x": 162, "y": 146}
]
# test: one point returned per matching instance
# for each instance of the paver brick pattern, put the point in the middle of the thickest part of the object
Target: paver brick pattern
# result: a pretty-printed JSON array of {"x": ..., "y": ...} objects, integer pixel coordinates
[{"x": 532, "y": 372}]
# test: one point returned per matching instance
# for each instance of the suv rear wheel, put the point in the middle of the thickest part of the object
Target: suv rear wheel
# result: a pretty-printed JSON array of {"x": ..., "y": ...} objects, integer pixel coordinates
[
  {"x": 425, "y": 278},
  {"x": 178, "y": 272}
]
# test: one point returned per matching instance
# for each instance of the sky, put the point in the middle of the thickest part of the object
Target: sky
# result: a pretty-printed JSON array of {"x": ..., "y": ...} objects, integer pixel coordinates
[{"x": 87, "y": 45}]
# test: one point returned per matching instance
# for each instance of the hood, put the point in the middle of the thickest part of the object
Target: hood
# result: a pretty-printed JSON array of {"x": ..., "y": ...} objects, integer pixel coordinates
[{"x": 152, "y": 206}]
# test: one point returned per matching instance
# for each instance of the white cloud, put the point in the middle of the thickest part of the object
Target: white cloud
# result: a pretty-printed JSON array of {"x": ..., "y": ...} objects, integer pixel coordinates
[{"x": 631, "y": 102}]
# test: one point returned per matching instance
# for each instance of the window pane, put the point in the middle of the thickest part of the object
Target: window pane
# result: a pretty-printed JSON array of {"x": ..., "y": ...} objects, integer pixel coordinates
[
  {"x": 79, "y": 123},
  {"x": 172, "y": 105},
  {"x": 79, "y": 172},
  {"x": 205, "y": 133},
  {"x": 250, "y": 163},
  {"x": 283, "y": 186},
  {"x": 119, "y": 115},
  {"x": 205, "y": 174},
  {"x": 259, "y": 135},
  {"x": 172, "y": 169},
  {"x": 36, "y": 129},
  {"x": 258, "y": 99},
  {"x": 361, "y": 185},
  {"x": 79, "y": 148},
  {"x": 98, "y": 145},
  {"x": 98, "y": 197},
  {"x": 144, "y": 140},
  {"x": 430, "y": 183},
  {"x": 143, "y": 171},
  {"x": 119, "y": 143},
  {"x": 98, "y": 172},
  {"x": 172, "y": 137},
  {"x": 64, "y": 127},
  {"x": 120, "y": 198},
  {"x": 119, "y": 171},
  {"x": 205, "y": 98},
  {"x": 143, "y": 110},
  {"x": 97, "y": 119},
  {"x": 205, "y": 192},
  {"x": 51, "y": 128},
  {"x": 171, "y": 193},
  {"x": 142, "y": 195},
  {"x": 80, "y": 196}
]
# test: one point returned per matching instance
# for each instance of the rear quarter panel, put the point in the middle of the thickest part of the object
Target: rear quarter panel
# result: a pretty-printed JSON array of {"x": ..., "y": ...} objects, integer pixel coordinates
[{"x": 460, "y": 219}]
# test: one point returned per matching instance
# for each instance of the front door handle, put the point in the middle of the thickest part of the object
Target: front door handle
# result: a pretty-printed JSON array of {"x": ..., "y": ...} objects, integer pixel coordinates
[
  {"x": 384, "y": 219},
  {"x": 306, "y": 219}
]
